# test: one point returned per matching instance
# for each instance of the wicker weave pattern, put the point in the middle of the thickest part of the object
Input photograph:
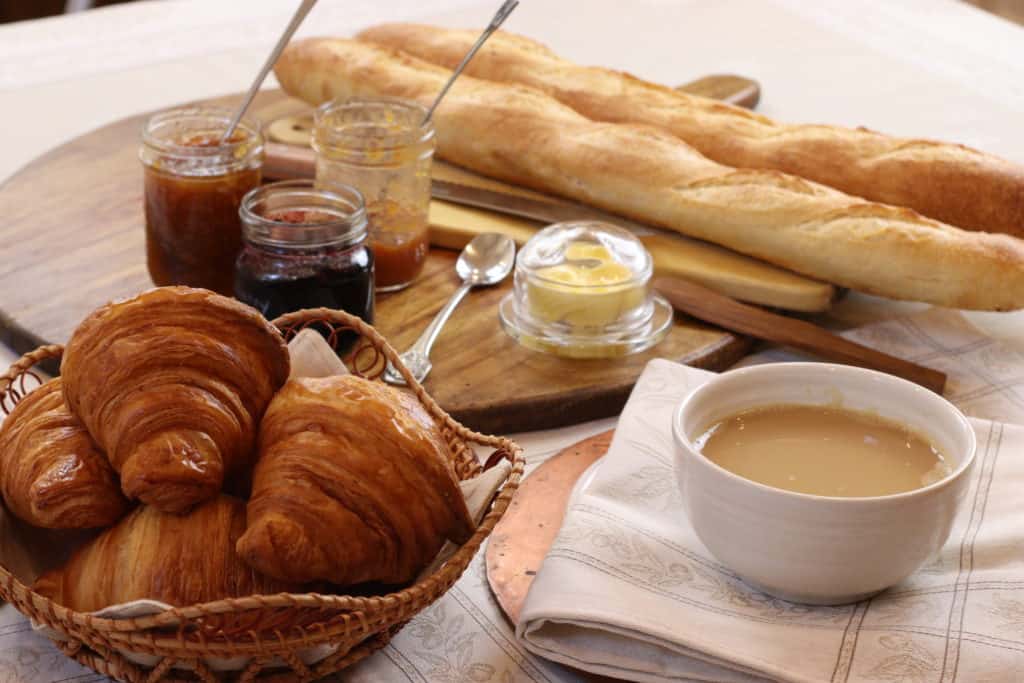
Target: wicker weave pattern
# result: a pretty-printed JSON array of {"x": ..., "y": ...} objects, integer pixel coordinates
[{"x": 274, "y": 627}]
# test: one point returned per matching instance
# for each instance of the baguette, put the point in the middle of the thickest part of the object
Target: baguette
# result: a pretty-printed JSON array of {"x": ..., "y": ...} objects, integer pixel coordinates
[
  {"x": 947, "y": 182},
  {"x": 523, "y": 136}
]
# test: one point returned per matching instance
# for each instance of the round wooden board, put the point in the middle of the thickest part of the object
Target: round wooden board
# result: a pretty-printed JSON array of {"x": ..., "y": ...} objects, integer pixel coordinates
[{"x": 72, "y": 239}]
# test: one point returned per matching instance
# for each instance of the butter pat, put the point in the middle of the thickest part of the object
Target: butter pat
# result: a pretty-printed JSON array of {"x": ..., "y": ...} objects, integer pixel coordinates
[{"x": 589, "y": 290}]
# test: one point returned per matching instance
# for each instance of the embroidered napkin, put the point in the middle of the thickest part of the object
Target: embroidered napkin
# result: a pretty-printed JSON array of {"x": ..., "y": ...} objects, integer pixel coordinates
[{"x": 628, "y": 590}]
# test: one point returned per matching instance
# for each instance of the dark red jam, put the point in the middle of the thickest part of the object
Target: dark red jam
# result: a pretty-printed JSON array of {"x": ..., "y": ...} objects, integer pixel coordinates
[
  {"x": 305, "y": 248},
  {"x": 276, "y": 281}
]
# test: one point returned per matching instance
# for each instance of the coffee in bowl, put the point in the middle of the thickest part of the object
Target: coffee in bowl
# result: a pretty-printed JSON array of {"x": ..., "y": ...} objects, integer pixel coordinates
[
  {"x": 812, "y": 545},
  {"x": 823, "y": 450}
]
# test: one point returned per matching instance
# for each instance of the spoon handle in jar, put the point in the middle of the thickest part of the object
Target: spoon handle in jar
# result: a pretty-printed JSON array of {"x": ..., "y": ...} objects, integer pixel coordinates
[
  {"x": 300, "y": 13},
  {"x": 497, "y": 20}
]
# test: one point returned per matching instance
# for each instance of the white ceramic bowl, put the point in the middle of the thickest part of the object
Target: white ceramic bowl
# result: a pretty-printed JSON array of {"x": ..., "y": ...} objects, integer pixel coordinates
[{"x": 817, "y": 549}]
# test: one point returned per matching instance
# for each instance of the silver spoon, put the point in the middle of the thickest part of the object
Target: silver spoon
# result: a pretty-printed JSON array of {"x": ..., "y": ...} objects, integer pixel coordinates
[
  {"x": 487, "y": 260},
  {"x": 282, "y": 42},
  {"x": 497, "y": 20}
]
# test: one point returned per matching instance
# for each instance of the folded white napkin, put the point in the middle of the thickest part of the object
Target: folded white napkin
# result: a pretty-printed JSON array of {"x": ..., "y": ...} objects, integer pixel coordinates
[
  {"x": 312, "y": 356},
  {"x": 628, "y": 590}
]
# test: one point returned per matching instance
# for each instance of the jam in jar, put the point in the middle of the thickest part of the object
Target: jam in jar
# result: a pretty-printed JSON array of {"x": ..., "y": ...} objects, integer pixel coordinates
[
  {"x": 400, "y": 242},
  {"x": 304, "y": 248},
  {"x": 384, "y": 148},
  {"x": 194, "y": 184}
]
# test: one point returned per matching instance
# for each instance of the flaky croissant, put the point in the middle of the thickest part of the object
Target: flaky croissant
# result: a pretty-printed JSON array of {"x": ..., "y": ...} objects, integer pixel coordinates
[
  {"x": 172, "y": 384},
  {"x": 353, "y": 484},
  {"x": 177, "y": 559},
  {"x": 51, "y": 473}
]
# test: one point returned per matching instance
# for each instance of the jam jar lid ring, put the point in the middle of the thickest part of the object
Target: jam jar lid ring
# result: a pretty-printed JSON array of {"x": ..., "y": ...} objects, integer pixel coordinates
[
  {"x": 415, "y": 130},
  {"x": 343, "y": 203},
  {"x": 155, "y": 134}
]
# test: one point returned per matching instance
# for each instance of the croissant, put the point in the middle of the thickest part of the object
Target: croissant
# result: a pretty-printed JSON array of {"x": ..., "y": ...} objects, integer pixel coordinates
[
  {"x": 353, "y": 484},
  {"x": 172, "y": 384},
  {"x": 177, "y": 559},
  {"x": 51, "y": 473}
]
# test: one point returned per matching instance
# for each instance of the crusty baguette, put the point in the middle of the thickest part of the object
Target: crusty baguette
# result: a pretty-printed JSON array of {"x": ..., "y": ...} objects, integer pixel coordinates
[
  {"x": 524, "y": 136},
  {"x": 947, "y": 182}
]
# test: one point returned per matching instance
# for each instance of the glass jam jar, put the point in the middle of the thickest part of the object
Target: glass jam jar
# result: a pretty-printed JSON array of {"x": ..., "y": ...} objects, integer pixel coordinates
[
  {"x": 383, "y": 148},
  {"x": 193, "y": 188},
  {"x": 304, "y": 248},
  {"x": 583, "y": 290}
]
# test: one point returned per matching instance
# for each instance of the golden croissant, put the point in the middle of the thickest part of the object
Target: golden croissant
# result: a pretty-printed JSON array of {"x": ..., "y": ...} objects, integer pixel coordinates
[
  {"x": 177, "y": 559},
  {"x": 354, "y": 483},
  {"x": 51, "y": 473},
  {"x": 172, "y": 384}
]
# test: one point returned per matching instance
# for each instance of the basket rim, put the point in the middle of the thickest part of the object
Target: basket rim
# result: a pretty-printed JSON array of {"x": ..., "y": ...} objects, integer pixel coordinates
[{"x": 132, "y": 631}]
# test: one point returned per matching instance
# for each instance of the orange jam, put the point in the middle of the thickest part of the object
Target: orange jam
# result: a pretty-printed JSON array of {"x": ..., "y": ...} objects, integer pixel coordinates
[
  {"x": 193, "y": 233},
  {"x": 400, "y": 240},
  {"x": 193, "y": 185}
]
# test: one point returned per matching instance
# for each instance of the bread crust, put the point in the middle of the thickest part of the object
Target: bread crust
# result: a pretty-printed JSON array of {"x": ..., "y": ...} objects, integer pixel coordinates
[
  {"x": 354, "y": 483},
  {"x": 171, "y": 384},
  {"x": 948, "y": 182},
  {"x": 52, "y": 475},
  {"x": 524, "y": 136},
  {"x": 150, "y": 555}
]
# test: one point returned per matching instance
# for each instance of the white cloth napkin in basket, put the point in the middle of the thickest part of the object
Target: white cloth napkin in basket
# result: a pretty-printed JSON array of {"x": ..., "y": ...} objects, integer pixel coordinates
[{"x": 628, "y": 590}]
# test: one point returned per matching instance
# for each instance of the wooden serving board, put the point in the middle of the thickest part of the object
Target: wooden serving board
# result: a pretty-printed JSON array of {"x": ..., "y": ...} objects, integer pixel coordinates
[{"x": 72, "y": 239}]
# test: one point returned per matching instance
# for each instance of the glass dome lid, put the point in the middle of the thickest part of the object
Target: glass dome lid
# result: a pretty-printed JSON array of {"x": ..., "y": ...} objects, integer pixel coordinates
[{"x": 582, "y": 289}]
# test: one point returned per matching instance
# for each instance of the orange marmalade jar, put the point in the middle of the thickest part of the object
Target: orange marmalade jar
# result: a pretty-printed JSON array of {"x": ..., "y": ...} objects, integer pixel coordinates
[
  {"x": 193, "y": 186},
  {"x": 383, "y": 148}
]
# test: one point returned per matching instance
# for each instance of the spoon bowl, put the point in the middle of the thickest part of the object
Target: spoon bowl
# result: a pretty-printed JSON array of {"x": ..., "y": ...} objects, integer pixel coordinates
[{"x": 487, "y": 259}]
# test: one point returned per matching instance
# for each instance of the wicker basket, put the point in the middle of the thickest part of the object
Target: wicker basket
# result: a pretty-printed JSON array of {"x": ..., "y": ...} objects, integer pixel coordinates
[{"x": 279, "y": 627}]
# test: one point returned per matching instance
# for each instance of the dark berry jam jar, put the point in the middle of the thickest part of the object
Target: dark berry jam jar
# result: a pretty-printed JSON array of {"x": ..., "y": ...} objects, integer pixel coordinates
[{"x": 304, "y": 248}]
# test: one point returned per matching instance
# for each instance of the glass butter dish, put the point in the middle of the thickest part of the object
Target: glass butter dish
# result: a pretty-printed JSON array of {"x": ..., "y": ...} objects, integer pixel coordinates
[{"x": 583, "y": 290}]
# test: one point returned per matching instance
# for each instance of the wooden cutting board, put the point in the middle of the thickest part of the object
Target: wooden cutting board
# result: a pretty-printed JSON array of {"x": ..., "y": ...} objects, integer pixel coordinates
[{"x": 72, "y": 239}]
